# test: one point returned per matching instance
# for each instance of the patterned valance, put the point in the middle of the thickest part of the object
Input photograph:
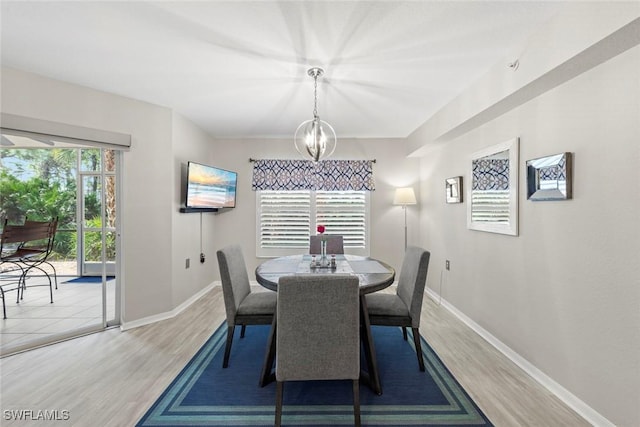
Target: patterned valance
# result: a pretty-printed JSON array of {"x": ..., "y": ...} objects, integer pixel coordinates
[{"x": 327, "y": 175}]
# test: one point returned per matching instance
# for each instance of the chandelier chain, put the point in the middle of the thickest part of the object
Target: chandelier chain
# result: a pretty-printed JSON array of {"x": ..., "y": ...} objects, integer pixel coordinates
[{"x": 315, "y": 96}]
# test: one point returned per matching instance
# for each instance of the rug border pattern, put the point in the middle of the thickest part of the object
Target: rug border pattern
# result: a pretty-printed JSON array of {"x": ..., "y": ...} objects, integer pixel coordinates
[{"x": 167, "y": 410}]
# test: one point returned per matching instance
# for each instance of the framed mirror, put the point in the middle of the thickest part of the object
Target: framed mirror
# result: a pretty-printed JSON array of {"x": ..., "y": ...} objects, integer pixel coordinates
[
  {"x": 492, "y": 192},
  {"x": 453, "y": 189},
  {"x": 549, "y": 178}
]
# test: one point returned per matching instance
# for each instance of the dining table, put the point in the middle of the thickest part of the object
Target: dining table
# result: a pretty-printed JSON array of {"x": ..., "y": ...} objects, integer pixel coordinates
[{"x": 373, "y": 275}]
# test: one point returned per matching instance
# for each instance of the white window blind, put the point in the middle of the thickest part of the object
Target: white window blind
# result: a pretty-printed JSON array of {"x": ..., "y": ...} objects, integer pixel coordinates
[
  {"x": 286, "y": 219},
  {"x": 344, "y": 213}
]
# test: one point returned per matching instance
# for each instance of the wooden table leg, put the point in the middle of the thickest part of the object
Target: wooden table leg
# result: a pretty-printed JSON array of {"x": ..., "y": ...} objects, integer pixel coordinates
[
  {"x": 371, "y": 376},
  {"x": 267, "y": 375}
]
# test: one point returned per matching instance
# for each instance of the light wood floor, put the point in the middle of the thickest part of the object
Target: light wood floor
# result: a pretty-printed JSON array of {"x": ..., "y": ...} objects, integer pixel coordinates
[{"x": 111, "y": 378}]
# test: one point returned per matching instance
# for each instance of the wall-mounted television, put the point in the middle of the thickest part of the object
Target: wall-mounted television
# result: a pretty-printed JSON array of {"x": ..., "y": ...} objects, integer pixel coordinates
[{"x": 209, "y": 187}]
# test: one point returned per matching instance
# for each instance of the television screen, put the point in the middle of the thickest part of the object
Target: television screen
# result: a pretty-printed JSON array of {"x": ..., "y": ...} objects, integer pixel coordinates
[{"x": 209, "y": 187}]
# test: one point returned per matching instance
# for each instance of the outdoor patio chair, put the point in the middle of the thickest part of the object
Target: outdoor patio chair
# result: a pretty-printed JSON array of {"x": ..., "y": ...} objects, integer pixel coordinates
[
  {"x": 53, "y": 227},
  {"x": 22, "y": 249}
]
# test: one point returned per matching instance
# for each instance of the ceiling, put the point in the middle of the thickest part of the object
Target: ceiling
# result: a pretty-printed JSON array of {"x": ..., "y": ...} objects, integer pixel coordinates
[{"x": 239, "y": 69}]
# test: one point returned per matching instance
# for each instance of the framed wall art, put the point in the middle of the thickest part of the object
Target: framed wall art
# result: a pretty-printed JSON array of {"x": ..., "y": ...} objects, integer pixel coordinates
[
  {"x": 492, "y": 194},
  {"x": 549, "y": 178},
  {"x": 453, "y": 187}
]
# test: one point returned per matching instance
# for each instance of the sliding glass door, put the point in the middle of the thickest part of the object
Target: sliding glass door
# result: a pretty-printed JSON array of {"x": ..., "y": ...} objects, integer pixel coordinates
[
  {"x": 98, "y": 212},
  {"x": 42, "y": 178}
]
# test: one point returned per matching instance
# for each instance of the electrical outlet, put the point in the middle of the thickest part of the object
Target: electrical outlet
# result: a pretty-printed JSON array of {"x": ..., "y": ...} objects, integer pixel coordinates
[
  {"x": 201, "y": 258},
  {"x": 447, "y": 265},
  {"x": 186, "y": 263}
]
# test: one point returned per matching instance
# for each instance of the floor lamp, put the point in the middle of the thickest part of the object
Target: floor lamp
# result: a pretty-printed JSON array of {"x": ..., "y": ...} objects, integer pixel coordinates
[{"x": 404, "y": 196}]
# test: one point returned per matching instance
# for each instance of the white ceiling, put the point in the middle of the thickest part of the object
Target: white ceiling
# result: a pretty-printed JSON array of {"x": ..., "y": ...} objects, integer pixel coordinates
[{"x": 239, "y": 69}]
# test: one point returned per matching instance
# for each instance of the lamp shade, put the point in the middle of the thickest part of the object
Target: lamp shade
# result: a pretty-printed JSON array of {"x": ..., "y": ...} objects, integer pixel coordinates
[{"x": 404, "y": 196}]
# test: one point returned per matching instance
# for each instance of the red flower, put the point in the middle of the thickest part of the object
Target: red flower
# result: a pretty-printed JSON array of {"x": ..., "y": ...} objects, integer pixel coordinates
[{"x": 321, "y": 229}]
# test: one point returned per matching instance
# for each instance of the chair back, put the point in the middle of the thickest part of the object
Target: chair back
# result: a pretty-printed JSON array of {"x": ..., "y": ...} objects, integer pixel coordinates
[
  {"x": 318, "y": 327},
  {"x": 51, "y": 226},
  {"x": 335, "y": 244},
  {"x": 23, "y": 234},
  {"x": 34, "y": 238},
  {"x": 235, "y": 280},
  {"x": 412, "y": 280}
]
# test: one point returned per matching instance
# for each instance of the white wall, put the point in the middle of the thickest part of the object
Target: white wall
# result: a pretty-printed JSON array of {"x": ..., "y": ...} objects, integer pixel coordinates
[
  {"x": 392, "y": 169},
  {"x": 565, "y": 293},
  {"x": 190, "y": 230}
]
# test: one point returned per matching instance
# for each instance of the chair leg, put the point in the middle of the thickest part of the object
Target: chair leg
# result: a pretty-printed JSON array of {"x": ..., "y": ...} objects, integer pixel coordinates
[
  {"x": 227, "y": 349},
  {"x": 20, "y": 288},
  {"x": 279, "y": 390},
  {"x": 356, "y": 402},
  {"x": 23, "y": 288},
  {"x": 22, "y": 285},
  {"x": 55, "y": 274},
  {"x": 404, "y": 333},
  {"x": 4, "y": 307},
  {"x": 244, "y": 328},
  {"x": 267, "y": 375},
  {"x": 416, "y": 341}
]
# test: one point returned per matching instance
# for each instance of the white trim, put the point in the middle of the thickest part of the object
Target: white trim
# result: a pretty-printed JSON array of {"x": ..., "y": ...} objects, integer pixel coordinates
[
  {"x": 560, "y": 392},
  {"x": 19, "y": 125},
  {"x": 169, "y": 314}
]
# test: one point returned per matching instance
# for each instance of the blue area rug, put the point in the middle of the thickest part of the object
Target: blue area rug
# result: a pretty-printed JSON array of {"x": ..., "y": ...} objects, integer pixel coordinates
[
  {"x": 204, "y": 394},
  {"x": 88, "y": 279}
]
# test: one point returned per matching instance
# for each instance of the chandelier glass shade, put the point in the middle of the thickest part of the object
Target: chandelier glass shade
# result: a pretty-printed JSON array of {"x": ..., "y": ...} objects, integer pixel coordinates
[{"x": 315, "y": 138}]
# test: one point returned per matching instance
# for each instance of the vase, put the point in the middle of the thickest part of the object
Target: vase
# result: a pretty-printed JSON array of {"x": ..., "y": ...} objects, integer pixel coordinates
[{"x": 323, "y": 253}]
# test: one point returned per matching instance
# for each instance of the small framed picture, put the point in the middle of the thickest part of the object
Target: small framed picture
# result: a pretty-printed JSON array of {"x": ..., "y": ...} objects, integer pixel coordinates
[
  {"x": 454, "y": 189},
  {"x": 550, "y": 177}
]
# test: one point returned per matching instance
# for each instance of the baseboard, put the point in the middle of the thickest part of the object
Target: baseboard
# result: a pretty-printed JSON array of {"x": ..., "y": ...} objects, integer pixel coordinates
[
  {"x": 169, "y": 314},
  {"x": 560, "y": 392}
]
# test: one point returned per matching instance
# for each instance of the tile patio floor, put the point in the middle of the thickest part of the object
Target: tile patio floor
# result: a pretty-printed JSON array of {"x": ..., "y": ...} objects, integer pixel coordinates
[{"x": 35, "y": 318}]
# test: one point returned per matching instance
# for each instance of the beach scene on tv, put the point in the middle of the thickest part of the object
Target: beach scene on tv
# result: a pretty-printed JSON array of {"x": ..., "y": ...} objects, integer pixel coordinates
[{"x": 210, "y": 187}]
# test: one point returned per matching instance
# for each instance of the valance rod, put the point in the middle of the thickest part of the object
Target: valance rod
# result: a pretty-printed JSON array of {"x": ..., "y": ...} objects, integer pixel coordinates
[{"x": 252, "y": 160}]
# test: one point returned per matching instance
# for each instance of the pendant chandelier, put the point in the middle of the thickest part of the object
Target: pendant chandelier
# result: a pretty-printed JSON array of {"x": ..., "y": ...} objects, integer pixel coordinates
[{"x": 315, "y": 138}]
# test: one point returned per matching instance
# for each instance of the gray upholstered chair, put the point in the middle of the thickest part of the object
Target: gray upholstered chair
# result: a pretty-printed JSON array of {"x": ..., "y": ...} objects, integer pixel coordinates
[
  {"x": 317, "y": 338},
  {"x": 335, "y": 244},
  {"x": 243, "y": 306},
  {"x": 403, "y": 309}
]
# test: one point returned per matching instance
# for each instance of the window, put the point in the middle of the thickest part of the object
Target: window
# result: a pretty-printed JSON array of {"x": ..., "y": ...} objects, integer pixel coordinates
[{"x": 286, "y": 219}]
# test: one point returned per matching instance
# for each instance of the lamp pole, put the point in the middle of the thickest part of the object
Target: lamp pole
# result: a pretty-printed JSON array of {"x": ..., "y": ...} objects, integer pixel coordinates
[
  {"x": 403, "y": 197},
  {"x": 405, "y": 227}
]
